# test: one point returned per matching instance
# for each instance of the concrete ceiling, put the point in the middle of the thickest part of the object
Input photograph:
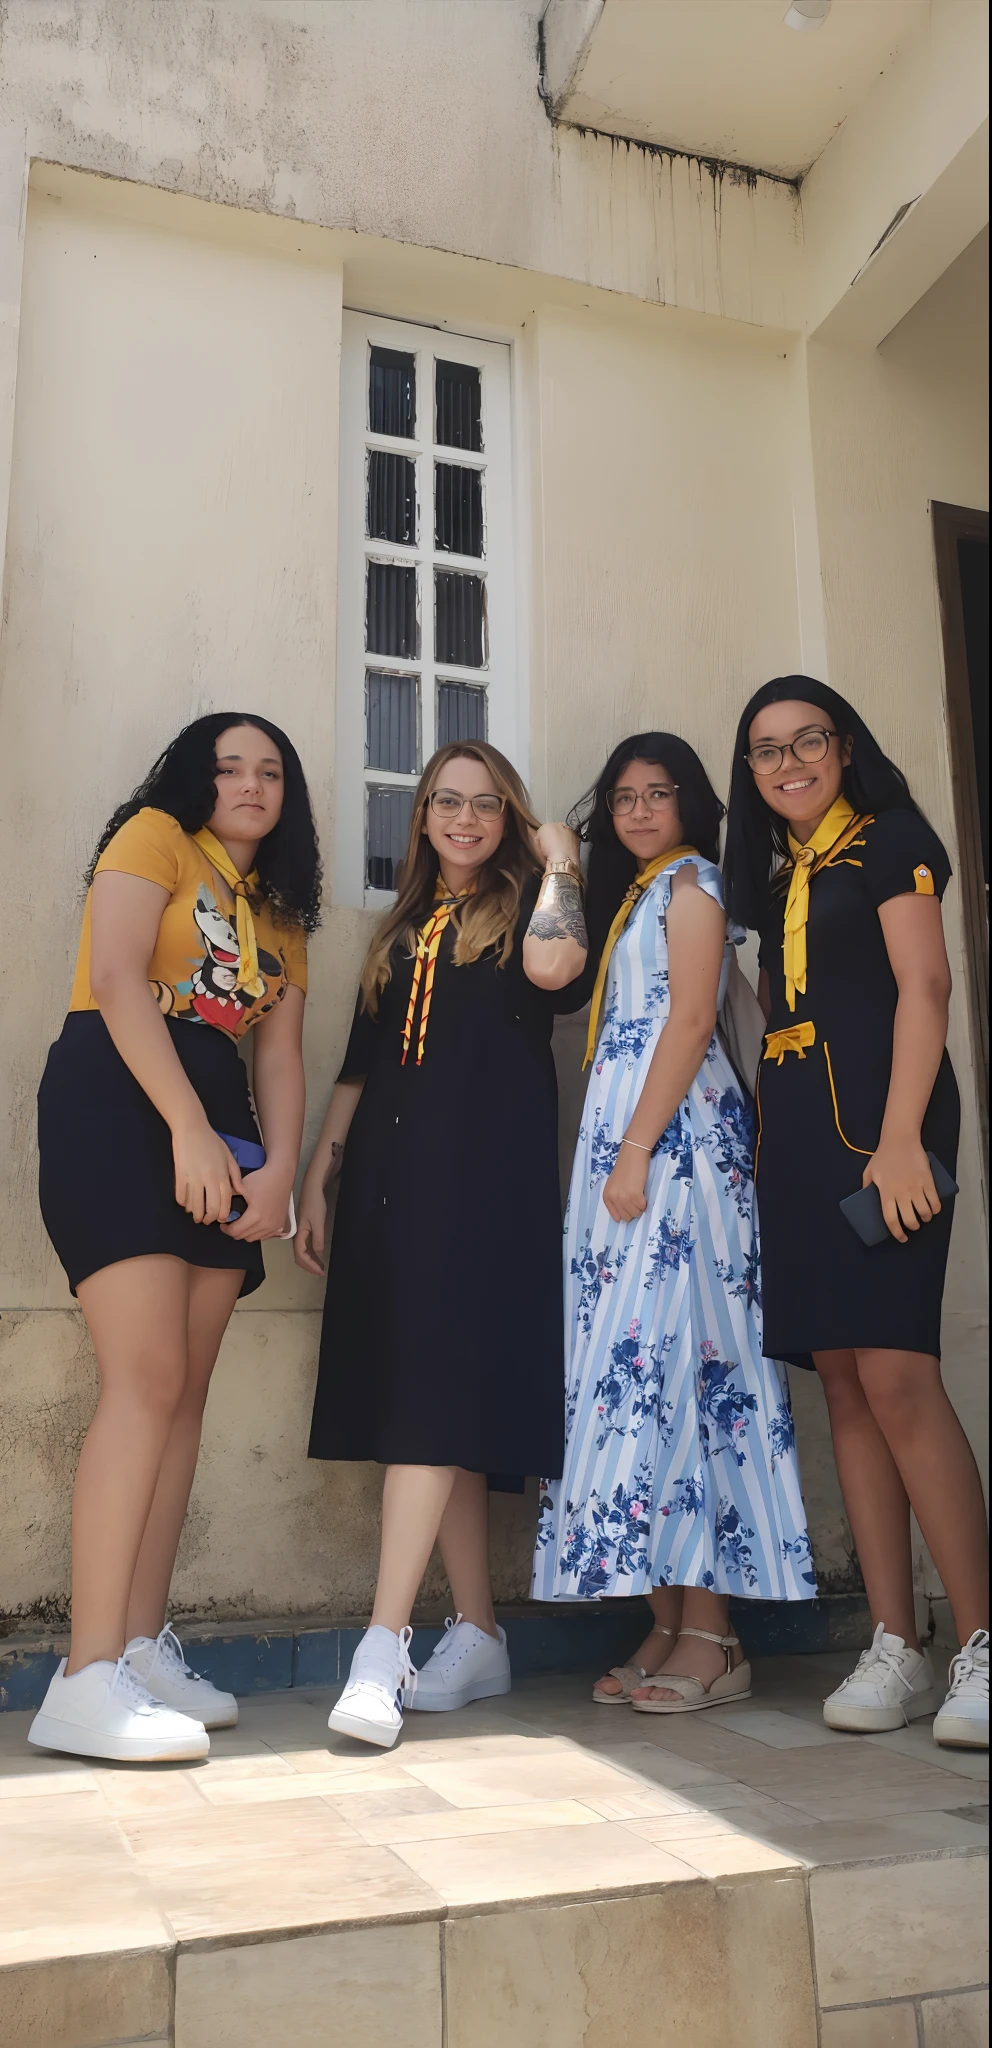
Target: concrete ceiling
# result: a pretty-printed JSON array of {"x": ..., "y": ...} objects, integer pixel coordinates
[{"x": 721, "y": 78}]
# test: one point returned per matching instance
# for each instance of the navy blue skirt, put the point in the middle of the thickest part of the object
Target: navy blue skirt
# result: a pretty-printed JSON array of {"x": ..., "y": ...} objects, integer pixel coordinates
[{"x": 107, "y": 1180}]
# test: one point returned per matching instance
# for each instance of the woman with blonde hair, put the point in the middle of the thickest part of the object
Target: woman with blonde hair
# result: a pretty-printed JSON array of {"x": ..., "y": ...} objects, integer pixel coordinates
[{"x": 442, "y": 1347}]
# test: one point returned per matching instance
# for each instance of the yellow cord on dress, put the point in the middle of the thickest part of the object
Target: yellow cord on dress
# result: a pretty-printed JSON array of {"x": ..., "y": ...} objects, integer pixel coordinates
[
  {"x": 249, "y": 978},
  {"x": 636, "y": 890},
  {"x": 427, "y": 949}
]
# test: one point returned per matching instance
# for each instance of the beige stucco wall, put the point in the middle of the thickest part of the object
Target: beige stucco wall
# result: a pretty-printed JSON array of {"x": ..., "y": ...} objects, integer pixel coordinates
[
  {"x": 893, "y": 429},
  {"x": 172, "y": 546}
]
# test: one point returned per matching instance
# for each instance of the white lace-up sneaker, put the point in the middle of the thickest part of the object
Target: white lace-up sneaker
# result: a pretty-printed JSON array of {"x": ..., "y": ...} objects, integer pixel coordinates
[
  {"x": 466, "y": 1665},
  {"x": 963, "y": 1721},
  {"x": 381, "y": 1677},
  {"x": 889, "y": 1687},
  {"x": 159, "y": 1663},
  {"x": 104, "y": 1711}
]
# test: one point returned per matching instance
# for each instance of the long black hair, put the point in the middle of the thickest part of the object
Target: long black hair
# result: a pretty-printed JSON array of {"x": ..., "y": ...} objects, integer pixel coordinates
[
  {"x": 757, "y": 838},
  {"x": 182, "y": 782},
  {"x": 611, "y": 866}
]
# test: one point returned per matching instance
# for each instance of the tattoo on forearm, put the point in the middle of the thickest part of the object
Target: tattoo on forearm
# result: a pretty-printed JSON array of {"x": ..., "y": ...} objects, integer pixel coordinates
[{"x": 558, "y": 913}]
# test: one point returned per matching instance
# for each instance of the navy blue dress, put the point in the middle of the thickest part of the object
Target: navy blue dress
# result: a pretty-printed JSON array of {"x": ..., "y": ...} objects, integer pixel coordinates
[
  {"x": 820, "y": 1116},
  {"x": 442, "y": 1339}
]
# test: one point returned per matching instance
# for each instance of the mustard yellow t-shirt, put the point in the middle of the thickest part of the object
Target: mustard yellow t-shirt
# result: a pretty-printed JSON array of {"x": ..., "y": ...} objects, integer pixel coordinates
[{"x": 194, "y": 968}]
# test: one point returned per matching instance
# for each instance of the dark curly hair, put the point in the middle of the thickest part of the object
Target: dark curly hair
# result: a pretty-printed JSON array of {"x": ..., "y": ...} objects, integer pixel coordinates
[
  {"x": 757, "y": 838},
  {"x": 182, "y": 783},
  {"x": 611, "y": 866}
]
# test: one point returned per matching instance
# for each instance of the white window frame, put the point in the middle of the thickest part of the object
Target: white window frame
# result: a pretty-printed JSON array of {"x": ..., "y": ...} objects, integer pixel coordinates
[{"x": 499, "y": 674}]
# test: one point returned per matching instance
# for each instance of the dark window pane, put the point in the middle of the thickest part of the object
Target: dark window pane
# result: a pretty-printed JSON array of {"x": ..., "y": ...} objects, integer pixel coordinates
[
  {"x": 391, "y": 722},
  {"x": 461, "y": 713},
  {"x": 391, "y": 625},
  {"x": 391, "y": 499},
  {"x": 459, "y": 618},
  {"x": 388, "y": 830},
  {"x": 459, "y": 406},
  {"x": 457, "y": 509},
  {"x": 392, "y": 392}
]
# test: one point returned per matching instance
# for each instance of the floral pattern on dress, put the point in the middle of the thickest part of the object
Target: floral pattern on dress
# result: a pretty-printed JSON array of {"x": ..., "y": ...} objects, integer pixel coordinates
[{"x": 680, "y": 1460}]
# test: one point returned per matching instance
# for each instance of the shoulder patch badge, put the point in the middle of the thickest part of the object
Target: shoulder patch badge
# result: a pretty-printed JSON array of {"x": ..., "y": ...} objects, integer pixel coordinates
[{"x": 923, "y": 880}]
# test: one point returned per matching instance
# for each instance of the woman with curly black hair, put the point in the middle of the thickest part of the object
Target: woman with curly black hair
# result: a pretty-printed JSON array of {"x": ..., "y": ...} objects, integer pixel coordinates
[{"x": 159, "y": 1183}]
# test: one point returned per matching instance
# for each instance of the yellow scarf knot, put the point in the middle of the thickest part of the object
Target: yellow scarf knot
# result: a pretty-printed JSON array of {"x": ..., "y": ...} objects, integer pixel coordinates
[
  {"x": 249, "y": 979},
  {"x": 832, "y": 834},
  {"x": 635, "y": 892}
]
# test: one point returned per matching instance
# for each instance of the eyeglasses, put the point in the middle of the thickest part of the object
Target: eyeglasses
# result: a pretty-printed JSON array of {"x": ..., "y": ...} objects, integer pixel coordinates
[
  {"x": 448, "y": 803},
  {"x": 620, "y": 802},
  {"x": 810, "y": 746}
]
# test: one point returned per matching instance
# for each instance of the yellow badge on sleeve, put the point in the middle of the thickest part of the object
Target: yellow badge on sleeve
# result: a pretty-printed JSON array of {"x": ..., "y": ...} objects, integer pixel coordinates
[{"x": 923, "y": 879}]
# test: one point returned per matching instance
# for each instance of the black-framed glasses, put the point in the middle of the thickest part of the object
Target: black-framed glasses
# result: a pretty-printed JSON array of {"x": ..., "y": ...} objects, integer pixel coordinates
[
  {"x": 809, "y": 746},
  {"x": 448, "y": 803},
  {"x": 620, "y": 802}
]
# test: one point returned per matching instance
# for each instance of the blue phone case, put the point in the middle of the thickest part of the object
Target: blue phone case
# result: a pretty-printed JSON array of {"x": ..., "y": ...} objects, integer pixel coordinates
[
  {"x": 249, "y": 1157},
  {"x": 863, "y": 1210}
]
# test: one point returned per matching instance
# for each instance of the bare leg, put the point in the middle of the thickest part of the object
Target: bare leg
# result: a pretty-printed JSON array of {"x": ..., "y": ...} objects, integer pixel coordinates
[
  {"x": 213, "y": 1292},
  {"x": 137, "y": 1315},
  {"x": 414, "y": 1498},
  {"x": 874, "y": 1496},
  {"x": 665, "y": 1603},
  {"x": 909, "y": 1403},
  {"x": 463, "y": 1540},
  {"x": 691, "y": 1658}
]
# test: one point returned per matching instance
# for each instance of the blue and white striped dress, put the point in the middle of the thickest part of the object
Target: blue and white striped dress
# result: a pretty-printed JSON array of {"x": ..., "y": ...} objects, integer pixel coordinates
[{"x": 680, "y": 1456}]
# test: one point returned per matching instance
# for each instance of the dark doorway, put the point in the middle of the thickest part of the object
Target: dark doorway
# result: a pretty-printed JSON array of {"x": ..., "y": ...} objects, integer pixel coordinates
[{"x": 961, "y": 541}]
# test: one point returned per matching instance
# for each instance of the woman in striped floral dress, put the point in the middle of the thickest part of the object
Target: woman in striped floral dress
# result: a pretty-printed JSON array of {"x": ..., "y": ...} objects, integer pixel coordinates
[{"x": 680, "y": 1478}]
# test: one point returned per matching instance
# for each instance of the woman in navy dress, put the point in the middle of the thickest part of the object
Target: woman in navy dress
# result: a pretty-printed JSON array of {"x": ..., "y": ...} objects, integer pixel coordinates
[{"x": 832, "y": 862}]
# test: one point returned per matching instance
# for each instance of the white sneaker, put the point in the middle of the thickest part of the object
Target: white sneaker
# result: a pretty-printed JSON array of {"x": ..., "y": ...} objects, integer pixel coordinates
[
  {"x": 889, "y": 1687},
  {"x": 466, "y": 1665},
  {"x": 105, "y": 1711},
  {"x": 159, "y": 1663},
  {"x": 371, "y": 1705},
  {"x": 963, "y": 1721}
]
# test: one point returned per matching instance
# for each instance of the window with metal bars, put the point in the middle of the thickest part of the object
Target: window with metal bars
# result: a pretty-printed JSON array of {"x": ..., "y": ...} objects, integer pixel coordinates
[{"x": 426, "y": 642}]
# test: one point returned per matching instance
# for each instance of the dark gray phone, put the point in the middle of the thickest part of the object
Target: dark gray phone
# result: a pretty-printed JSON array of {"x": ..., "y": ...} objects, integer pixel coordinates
[{"x": 864, "y": 1209}]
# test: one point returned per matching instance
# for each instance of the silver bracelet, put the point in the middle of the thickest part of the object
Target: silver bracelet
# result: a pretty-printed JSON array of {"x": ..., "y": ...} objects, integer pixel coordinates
[{"x": 637, "y": 1147}]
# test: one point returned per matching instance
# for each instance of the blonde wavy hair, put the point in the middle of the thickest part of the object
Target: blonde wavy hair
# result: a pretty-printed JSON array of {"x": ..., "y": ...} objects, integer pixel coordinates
[{"x": 488, "y": 918}]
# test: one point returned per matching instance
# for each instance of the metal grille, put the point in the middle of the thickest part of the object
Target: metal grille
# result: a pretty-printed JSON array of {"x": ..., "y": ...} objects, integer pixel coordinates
[
  {"x": 457, "y": 509},
  {"x": 461, "y": 713},
  {"x": 389, "y": 814},
  {"x": 392, "y": 392},
  {"x": 458, "y": 406},
  {"x": 391, "y": 722},
  {"x": 391, "y": 497},
  {"x": 459, "y": 618},
  {"x": 391, "y": 622}
]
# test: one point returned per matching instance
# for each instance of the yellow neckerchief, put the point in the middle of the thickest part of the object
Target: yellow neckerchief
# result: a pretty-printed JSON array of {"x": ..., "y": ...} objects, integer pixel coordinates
[
  {"x": 428, "y": 946},
  {"x": 249, "y": 979},
  {"x": 840, "y": 825},
  {"x": 635, "y": 892}
]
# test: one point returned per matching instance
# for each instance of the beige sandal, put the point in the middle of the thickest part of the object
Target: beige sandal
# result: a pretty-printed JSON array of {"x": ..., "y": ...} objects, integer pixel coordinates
[
  {"x": 732, "y": 1684},
  {"x": 630, "y": 1675}
]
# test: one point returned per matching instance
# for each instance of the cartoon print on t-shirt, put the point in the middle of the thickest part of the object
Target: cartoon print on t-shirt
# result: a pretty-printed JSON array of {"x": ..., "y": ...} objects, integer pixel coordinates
[{"x": 214, "y": 992}]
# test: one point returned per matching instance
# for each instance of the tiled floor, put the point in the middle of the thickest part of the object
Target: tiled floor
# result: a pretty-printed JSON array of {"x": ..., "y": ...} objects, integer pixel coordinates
[{"x": 537, "y": 1871}]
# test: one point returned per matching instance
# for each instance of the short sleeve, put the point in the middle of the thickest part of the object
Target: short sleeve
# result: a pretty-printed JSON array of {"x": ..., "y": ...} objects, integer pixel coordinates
[
  {"x": 902, "y": 856},
  {"x": 294, "y": 946},
  {"x": 363, "y": 1044},
  {"x": 708, "y": 878},
  {"x": 147, "y": 846}
]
